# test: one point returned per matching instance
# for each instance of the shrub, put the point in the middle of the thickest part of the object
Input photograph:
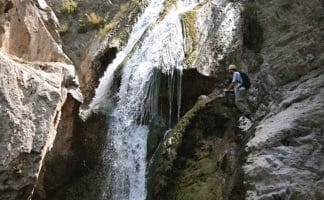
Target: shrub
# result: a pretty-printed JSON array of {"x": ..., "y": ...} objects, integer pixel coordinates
[
  {"x": 69, "y": 6},
  {"x": 82, "y": 26},
  {"x": 64, "y": 28},
  {"x": 107, "y": 28},
  {"x": 94, "y": 19},
  {"x": 124, "y": 7}
]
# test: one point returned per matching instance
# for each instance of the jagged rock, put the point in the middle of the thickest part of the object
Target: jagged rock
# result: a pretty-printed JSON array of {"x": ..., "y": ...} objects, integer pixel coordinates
[
  {"x": 219, "y": 36},
  {"x": 25, "y": 34},
  {"x": 31, "y": 99}
]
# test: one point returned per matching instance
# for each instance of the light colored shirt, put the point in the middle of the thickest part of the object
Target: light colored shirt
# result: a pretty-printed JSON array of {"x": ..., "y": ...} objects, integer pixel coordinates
[{"x": 237, "y": 80}]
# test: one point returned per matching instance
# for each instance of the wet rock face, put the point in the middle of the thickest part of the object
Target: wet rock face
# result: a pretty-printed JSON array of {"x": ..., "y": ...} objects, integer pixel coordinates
[
  {"x": 193, "y": 84},
  {"x": 284, "y": 158},
  {"x": 199, "y": 159}
]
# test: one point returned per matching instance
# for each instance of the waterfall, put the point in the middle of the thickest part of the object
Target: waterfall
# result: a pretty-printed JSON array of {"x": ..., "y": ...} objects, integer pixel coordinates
[
  {"x": 162, "y": 49},
  {"x": 148, "y": 17}
]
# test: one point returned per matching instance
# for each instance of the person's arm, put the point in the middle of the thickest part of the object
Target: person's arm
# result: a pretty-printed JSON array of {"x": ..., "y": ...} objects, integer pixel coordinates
[
  {"x": 234, "y": 80},
  {"x": 231, "y": 86}
]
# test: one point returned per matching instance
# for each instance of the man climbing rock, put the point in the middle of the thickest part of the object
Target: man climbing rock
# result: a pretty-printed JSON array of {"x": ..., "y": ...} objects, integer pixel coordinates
[{"x": 240, "y": 90}]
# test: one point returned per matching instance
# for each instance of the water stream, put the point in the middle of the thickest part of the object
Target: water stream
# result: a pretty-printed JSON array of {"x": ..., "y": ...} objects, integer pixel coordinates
[{"x": 162, "y": 49}]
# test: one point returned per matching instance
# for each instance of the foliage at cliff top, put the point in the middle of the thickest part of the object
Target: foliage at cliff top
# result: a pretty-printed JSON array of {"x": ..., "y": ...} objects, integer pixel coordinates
[{"x": 69, "y": 6}]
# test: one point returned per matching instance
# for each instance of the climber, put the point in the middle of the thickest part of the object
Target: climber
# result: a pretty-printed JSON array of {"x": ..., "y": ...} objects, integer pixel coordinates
[{"x": 240, "y": 90}]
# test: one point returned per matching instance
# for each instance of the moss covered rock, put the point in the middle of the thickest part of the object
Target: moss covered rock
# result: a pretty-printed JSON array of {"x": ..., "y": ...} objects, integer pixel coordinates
[{"x": 196, "y": 160}]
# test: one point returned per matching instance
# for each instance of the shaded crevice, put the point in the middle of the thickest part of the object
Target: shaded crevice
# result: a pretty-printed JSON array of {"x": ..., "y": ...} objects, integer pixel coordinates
[
  {"x": 252, "y": 30},
  {"x": 194, "y": 84},
  {"x": 75, "y": 154},
  {"x": 6, "y": 6},
  {"x": 98, "y": 67}
]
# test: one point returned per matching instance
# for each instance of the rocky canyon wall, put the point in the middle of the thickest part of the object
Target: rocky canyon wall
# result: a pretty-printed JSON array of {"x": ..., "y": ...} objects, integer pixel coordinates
[
  {"x": 281, "y": 48},
  {"x": 279, "y": 43},
  {"x": 36, "y": 78},
  {"x": 284, "y": 157}
]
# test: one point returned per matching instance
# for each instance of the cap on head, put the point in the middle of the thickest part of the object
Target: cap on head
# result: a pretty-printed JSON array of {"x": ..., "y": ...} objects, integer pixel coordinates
[{"x": 232, "y": 67}]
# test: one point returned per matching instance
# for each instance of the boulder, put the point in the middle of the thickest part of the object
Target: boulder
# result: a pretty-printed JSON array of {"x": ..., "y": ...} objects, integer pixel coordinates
[{"x": 31, "y": 97}]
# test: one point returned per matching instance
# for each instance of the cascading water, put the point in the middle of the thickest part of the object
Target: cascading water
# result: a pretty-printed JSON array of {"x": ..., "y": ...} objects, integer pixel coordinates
[
  {"x": 148, "y": 17},
  {"x": 162, "y": 49}
]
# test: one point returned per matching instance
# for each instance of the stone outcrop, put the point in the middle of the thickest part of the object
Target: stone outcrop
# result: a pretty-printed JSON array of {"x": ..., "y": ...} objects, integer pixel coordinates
[
  {"x": 26, "y": 34},
  {"x": 218, "y": 36},
  {"x": 199, "y": 158},
  {"x": 36, "y": 77},
  {"x": 31, "y": 99}
]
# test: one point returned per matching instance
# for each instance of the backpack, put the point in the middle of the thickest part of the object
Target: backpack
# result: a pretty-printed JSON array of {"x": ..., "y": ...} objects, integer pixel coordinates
[{"x": 246, "y": 81}]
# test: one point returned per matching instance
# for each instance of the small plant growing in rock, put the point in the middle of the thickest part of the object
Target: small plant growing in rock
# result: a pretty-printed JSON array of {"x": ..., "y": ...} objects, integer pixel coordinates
[
  {"x": 107, "y": 27},
  {"x": 64, "y": 28},
  {"x": 94, "y": 20},
  {"x": 90, "y": 21},
  {"x": 124, "y": 7},
  {"x": 69, "y": 6},
  {"x": 82, "y": 26}
]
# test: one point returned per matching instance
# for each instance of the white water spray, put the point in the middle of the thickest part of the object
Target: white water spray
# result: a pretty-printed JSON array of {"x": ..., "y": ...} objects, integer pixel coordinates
[
  {"x": 162, "y": 49},
  {"x": 148, "y": 17}
]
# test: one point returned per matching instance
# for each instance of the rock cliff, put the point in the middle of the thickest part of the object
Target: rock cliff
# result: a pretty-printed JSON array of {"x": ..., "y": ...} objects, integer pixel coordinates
[
  {"x": 36, "y": 79},
  {"x": 284, "y": 157},
  {"x": 280, "y": 45}
]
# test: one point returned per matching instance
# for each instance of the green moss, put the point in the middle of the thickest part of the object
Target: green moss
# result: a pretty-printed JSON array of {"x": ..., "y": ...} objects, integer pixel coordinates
[
  {"x": 167, "y": 153},
  {"x": 158, "y": 126},
  {"x": 65, "y": 27},
  {"x": 200, "y": 177},
  {"x": 190, "y": 162},
  {"x": 127, "y": 14},
  {"x": 188, "y": 21},
  {"x": 82, "y": 26},
  {"x": 94, "y": 20}
]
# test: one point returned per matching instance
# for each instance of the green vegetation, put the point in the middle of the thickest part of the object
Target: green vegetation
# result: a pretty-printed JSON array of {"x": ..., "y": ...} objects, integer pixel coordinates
[
  {"x": 65, "y": 27},
  {"x": 90, "y": 21},
  {"x": 82, "y": 26},
  {"x": 69, "y": 6},
  {"x": 108, "y": 26},
  {"x": 193, "y": 164},
  {"x": 94, "y": 20},
  {"x": 167, "y": 153},
  {"x": 124, "y": 7}
]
